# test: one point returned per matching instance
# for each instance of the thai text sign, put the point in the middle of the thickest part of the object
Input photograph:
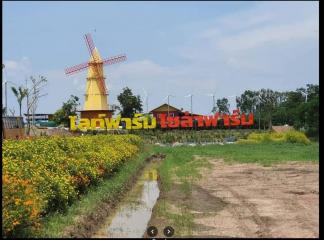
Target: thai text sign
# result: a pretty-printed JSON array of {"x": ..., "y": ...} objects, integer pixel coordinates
[{"x": 140, "y": 121}]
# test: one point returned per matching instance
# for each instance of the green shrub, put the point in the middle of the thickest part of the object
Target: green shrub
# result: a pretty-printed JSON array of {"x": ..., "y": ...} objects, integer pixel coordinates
[
  {"x": 290, "y": 136},
  {"x": 296, "y": 137},
  {"x": 258, "y": 137}
]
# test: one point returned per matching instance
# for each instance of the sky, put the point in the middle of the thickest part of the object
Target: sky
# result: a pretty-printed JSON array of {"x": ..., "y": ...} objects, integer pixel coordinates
[{"x": 172, "y": 48}]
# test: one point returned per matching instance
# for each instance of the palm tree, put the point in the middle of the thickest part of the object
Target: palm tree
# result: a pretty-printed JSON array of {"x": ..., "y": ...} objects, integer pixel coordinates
[{"x": 20, "y": 94}]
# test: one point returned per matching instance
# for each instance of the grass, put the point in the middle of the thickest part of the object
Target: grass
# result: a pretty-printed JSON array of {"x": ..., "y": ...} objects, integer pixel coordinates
[
  {"x": 264, "y": 153},
  {"x": 108, "y": 190},
  {"x": 181, "y": 166}
]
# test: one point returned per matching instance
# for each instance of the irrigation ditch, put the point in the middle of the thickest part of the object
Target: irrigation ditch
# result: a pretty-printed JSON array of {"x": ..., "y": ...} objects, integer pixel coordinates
[{"x": 126, "y": 215}]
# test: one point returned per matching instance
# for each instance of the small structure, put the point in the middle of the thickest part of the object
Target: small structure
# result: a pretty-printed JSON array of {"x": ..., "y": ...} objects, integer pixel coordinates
[
  {"x": 39, "y": 117},
  {"x": 166, "y": 109},
  {"x": 13, "y": 128},
  {"x": 284, "y": 128}
]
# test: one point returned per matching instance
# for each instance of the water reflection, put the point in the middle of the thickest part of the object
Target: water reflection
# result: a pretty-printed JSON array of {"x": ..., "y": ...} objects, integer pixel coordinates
[{"x": 132, "y": 217}]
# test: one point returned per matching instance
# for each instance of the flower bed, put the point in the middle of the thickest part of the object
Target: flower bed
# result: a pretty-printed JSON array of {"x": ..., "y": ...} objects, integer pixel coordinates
[
  {"x": 291, "y": 136},
  {"x": 48, "y": 173}
]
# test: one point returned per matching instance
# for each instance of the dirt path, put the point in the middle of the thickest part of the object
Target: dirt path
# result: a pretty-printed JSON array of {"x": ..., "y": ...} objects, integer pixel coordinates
[{"x": 277, "y": 201}]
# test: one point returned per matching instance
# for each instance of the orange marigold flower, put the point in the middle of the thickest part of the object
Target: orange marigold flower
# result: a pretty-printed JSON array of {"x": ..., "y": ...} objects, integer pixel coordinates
[
  {"x": 29, "y": 202},
  {"x": 15, "y": 223}
]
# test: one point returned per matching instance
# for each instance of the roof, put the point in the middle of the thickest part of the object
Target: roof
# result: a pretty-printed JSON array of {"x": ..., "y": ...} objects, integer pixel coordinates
[
  {"x": 12, "y": 122},
  {"x": 38, "y": 114},
  {"x": 164, "y": 108}
]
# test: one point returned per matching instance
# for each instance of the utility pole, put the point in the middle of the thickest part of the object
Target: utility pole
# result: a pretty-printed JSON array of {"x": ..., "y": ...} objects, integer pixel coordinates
[
  {"x": 34, "y": 106},
  {"x": 191, "y": 103},
  {"x": 28, "y": 123},
  {"x": 259, "y": 116},
  {"x": 214, "y": 103},
  {"x": 169, "y": 95},
  {"x": 190, "y": 95},
  {"x": 6, "y": 98},
  {"x": 147, "y": 104},
  {"x": 168, "y": 106},
  {"x": 259, "y": 100},
  {"x": 305, "y": 96},
  {"x": 146, "y": 100}
]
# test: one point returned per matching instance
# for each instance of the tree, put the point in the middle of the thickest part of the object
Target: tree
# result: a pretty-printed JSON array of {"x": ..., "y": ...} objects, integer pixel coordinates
[
  {"x": 223, "y": 105},
  {"x": 268, "y": 103},
  {"x": 248, "y": 101},
  {"x": 312, "y": 116},
  {"x": 20, "y": 94},
  {"x": 33, "y": 96},
  {"x": 130, "y": 104},
  {"x": 69, "y": 108},
  {"x": 12, "y": 111}
]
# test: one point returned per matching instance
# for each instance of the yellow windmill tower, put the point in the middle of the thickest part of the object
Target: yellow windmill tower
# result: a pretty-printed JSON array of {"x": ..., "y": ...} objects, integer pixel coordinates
[{"x": 96, "y": 97}]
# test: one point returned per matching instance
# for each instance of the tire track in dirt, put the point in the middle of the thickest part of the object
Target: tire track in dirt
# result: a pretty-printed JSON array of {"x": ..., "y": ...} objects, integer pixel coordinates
[
  {"x": 264, "y": 201},
  {"x": 263, "y": 227}
]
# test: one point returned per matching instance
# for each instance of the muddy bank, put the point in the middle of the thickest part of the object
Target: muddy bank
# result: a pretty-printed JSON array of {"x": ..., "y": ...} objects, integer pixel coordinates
[
  {"x": 246, "y": 200},
  {"x": 87, "y": 225}
]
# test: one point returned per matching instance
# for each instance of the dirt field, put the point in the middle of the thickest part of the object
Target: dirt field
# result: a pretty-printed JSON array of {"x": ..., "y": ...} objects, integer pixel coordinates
[
  {"x": 249, "y": 200},
  {"x": 277, "y": 201}
]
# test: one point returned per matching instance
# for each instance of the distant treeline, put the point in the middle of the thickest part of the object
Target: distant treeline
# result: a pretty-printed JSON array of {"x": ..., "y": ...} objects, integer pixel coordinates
[{"x": 299, "y": 108}]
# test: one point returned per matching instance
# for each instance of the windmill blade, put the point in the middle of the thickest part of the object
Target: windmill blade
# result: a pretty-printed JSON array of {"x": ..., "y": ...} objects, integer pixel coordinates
[
  {"x": 102, "y": 85},
  {"x": 113, "y": 60},
  {"x": 76, "y": 68},
  {"x": 90, "y": 44},
  {"x": 91, "y": 48}
]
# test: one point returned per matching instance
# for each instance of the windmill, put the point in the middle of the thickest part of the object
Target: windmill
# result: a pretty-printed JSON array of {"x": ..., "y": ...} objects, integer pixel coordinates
[{"x": 96, "y": 90}]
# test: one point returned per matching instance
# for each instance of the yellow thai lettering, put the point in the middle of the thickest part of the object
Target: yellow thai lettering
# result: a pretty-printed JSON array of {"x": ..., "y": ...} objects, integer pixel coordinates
[
  {"x": 136, "y": 121},
  {"x": 128, "y": 122},
  {"x": 112, "y": 123},
  {"x": 72, "y": 123},
  {"x": 94, "y": 122},
  {"x": 84, "y": 124},
  {"x": 146, "y": 124}
]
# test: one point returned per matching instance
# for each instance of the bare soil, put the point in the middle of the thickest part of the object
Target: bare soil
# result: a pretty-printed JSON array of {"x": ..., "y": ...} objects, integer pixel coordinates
[{"x": 249, "y": 200}]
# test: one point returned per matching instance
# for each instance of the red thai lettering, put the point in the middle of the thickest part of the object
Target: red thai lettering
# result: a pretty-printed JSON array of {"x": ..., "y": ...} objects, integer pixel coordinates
[
  {"x": 247, "y": 123},
  {"x": 211, "y": 120}
]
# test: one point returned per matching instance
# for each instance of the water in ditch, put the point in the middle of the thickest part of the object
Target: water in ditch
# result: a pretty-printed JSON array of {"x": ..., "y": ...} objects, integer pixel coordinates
[{"x": 131, "y": 217}]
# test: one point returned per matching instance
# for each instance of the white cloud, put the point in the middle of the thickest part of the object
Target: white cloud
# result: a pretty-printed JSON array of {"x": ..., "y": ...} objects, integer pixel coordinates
[
  {"x": 17, "y": 68},
  {"x": 278, "y": 34}
]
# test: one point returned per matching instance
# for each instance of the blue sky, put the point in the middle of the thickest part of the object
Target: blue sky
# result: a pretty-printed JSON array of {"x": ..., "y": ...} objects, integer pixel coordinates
[{"x": 173, "y": 48}]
